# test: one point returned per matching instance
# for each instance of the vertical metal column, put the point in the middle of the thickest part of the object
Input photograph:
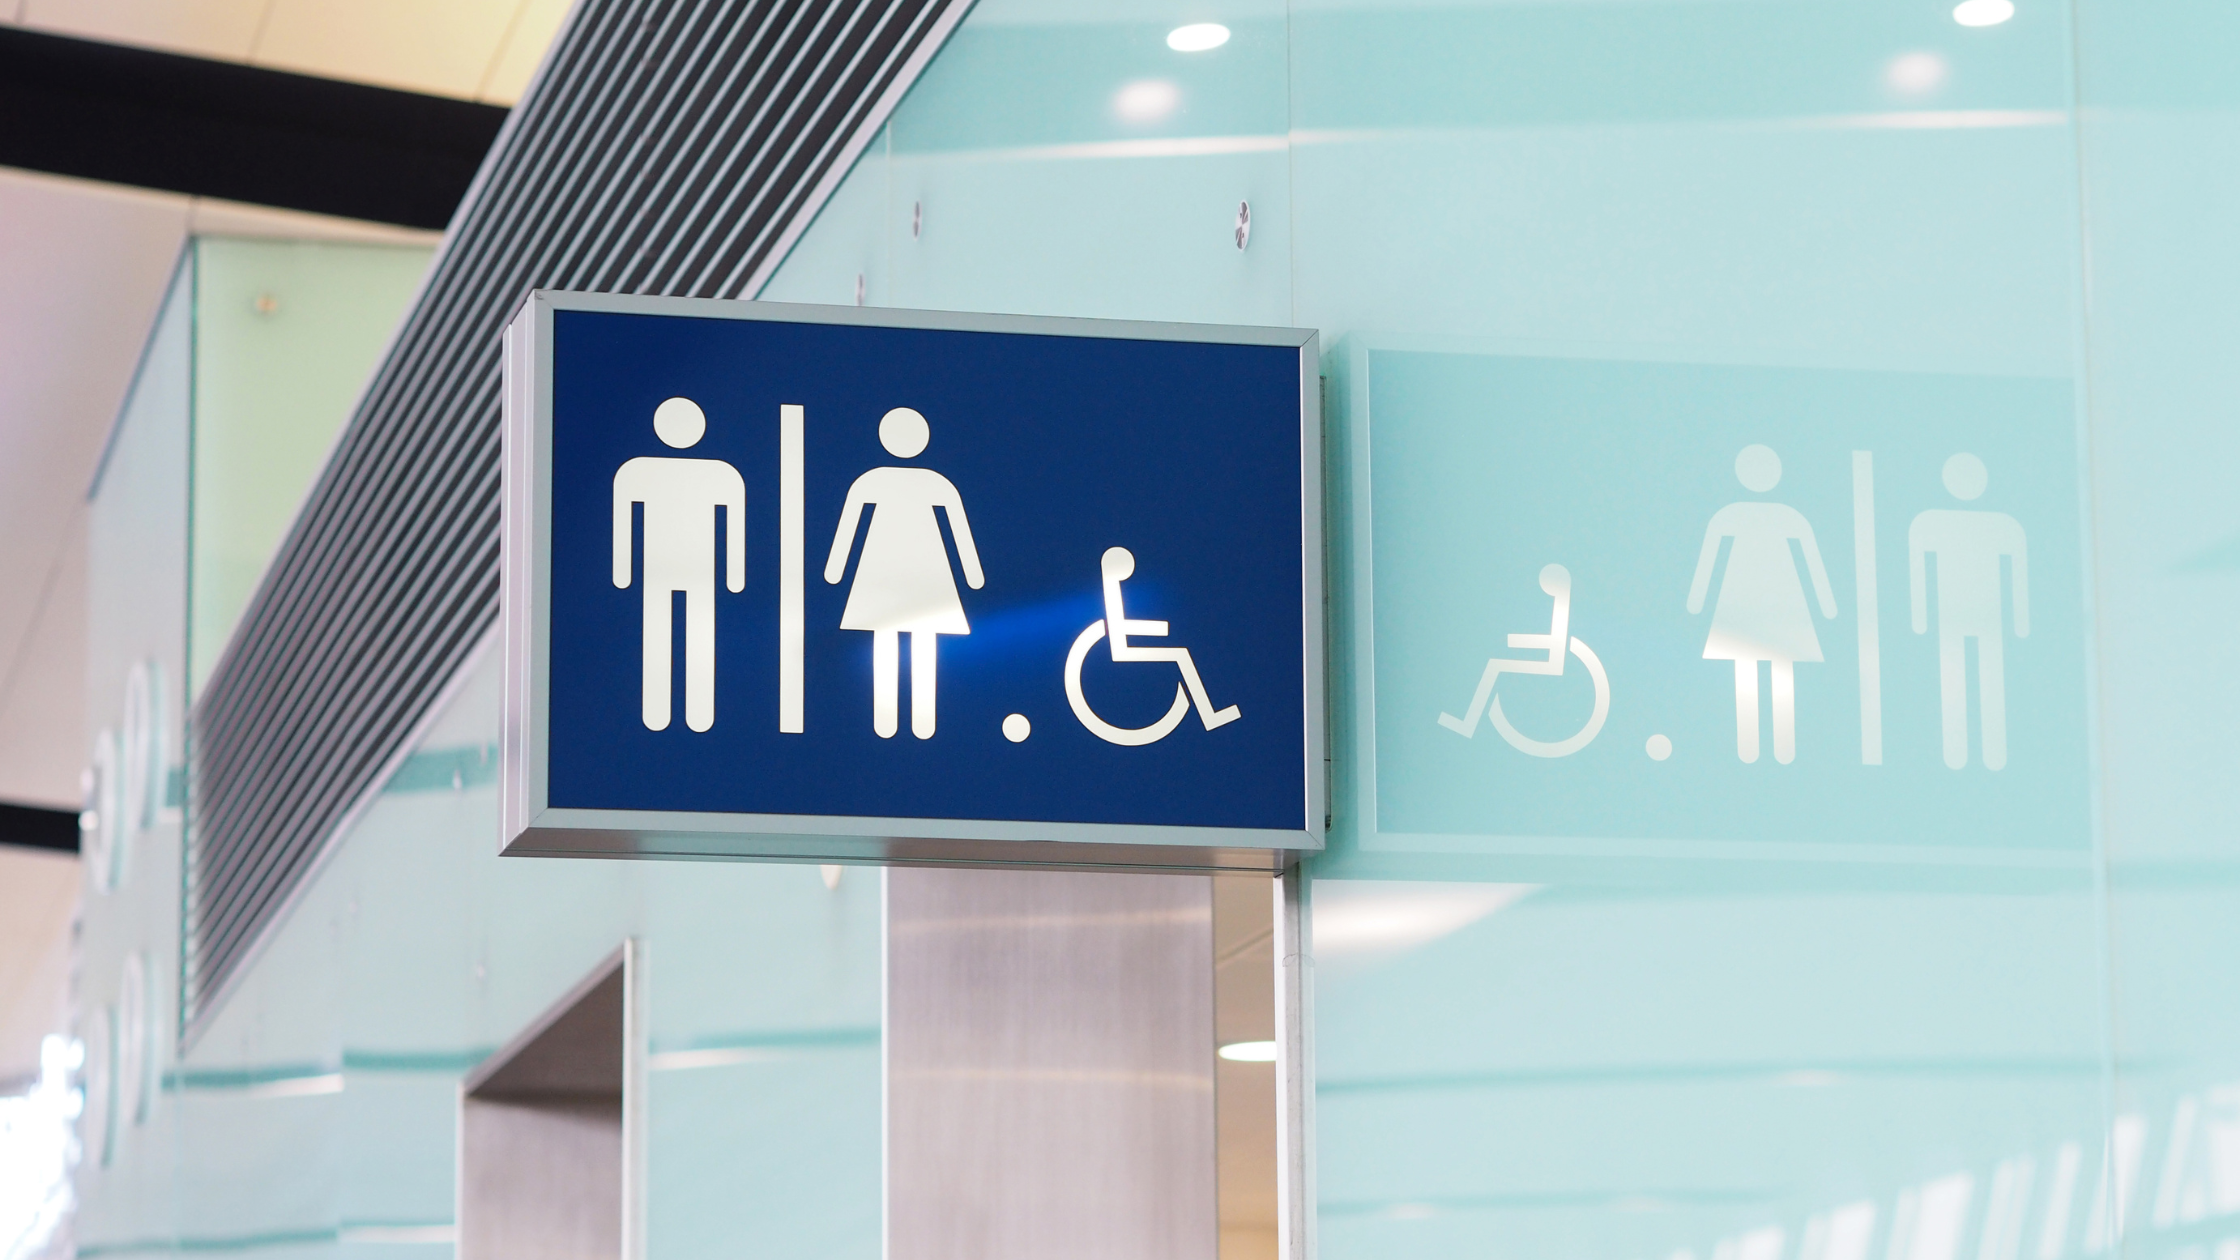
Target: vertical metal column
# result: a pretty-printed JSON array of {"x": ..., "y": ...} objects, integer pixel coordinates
[{"x": 1049, "y": 1066}]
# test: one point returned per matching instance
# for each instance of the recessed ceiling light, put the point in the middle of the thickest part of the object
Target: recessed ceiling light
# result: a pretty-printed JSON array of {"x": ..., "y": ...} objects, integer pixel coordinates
[
  {"x": 1982, "y": 12},
  {"x": 1147, "y": 100},
  {"x": 1198, "y": 37},
  {"x": 1249, "y": 1052}
]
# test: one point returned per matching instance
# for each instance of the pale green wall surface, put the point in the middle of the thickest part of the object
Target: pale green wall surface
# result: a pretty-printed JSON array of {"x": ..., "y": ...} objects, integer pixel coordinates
[
  {"x": 315, "y": 1116},
  {"x": 285, "y": 335},
  {"x": 1567, "y": 259}
]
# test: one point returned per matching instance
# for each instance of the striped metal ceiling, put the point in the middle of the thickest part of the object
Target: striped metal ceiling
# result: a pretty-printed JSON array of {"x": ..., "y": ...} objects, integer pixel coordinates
[{"x": 672, "y": 146}]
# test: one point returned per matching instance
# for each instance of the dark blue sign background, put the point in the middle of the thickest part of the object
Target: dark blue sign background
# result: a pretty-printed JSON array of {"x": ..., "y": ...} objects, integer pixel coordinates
[{"x": 1186, "y": 453}]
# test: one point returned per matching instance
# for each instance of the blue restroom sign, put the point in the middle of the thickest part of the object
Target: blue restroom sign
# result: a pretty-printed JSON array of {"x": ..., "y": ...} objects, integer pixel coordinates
[{"x": 829, "y": 583}]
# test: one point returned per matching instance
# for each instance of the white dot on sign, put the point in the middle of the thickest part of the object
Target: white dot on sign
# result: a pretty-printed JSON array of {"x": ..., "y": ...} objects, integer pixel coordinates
[
  {"x": 1147, "y": 100},
  {"x": 1198, "y": 37},
  {"x": 1982, "y": 12},
  {"x": 1016, "y": 728},
  {"x": 1659, "y": 748},
  {"x": 1249, "y": 1052}
]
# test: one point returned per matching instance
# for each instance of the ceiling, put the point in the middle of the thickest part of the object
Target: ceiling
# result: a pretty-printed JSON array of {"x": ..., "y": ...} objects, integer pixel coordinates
[
  {"x": 483, "y": 50},
  {"x": 83, "y": 265}
]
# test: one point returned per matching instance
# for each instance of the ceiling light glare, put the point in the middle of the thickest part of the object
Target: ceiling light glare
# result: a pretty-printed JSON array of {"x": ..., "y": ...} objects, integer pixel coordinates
[
  {"x": 1200, "y": 37},
  {"x": 1982, "y": 12},
  {"x": 1916, "y": 73},
  {"x": 1249, "y": 1052},
  {"x": 1148, "y": 100}
]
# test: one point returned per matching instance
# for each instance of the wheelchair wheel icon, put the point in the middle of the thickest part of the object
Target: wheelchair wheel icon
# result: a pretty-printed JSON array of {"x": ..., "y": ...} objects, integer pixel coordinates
[
  {"x": 1556, "y": 581},
  {"x": 1117, "y": 628}
]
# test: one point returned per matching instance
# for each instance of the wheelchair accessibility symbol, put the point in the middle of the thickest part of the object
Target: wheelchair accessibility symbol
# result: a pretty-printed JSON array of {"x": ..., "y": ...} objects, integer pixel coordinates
[
  {"x": 1556, "y": 581},
  {"x": 1118, "y": 565}
]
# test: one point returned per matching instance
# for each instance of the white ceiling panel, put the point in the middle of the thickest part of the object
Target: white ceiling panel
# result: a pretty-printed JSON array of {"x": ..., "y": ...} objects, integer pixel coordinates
[
  {"x": 441, "y": 46},
  {"x": 43, "y": 738},
  {"x": 223, "y": 29},
  {"x": 484, "y": 50},
  {"x": 534, "y": 28},
  {"x": 82, "y": 267}
]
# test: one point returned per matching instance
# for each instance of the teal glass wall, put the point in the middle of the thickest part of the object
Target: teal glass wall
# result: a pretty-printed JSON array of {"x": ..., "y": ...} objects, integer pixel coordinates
[
  {"x": 316, "y": 1114},
  {"x": 1831, "y": 953},
  {"x": 286, "y": 333},
  {"x": 1755, "y": 296}
]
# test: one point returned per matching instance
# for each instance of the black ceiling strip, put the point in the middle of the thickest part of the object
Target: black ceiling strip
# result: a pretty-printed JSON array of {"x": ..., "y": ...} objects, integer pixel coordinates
[
  {"x": 668, "y": 146},
  {"x": 220, "y": 129},
  {"x": 32, "y": 827}
]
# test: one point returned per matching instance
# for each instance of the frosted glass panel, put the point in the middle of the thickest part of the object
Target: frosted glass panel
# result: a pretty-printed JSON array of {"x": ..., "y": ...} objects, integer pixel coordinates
[
  {"x": 285, "y": 334},
  {"x": 1605, "y": 976},
  {"x": 321, "y": 1101},
  {"x": 1632, "y": 958},
  {"x": 2159, "y": 137}
]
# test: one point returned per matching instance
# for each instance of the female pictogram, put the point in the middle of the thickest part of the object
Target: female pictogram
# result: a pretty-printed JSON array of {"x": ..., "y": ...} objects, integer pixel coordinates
[
  {"x": 903, "y": 583},
  {"x": 1761, "y": 613}
]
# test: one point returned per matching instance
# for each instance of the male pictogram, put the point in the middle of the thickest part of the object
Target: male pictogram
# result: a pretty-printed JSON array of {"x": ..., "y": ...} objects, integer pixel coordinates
[
  {"x": 681, "y": 497},
  {"x": 1968, "y": 546}
]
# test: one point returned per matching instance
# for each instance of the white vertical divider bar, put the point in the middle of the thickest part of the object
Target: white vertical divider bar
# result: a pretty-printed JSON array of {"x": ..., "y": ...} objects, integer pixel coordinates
[
  {"x": 1870, "y": 629},
  {"x": 1295, "y": 1232},
  {"x": 790, "y": 555},
  {"x": 636, "y": 1031},
  {"x": 886, "y": 1071}
]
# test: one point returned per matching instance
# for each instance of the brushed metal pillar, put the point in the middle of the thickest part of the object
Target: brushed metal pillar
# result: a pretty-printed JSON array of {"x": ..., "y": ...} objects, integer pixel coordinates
[
  {"x": 551, "y": 1129},
  {"x": 1049, "y": 1066}
]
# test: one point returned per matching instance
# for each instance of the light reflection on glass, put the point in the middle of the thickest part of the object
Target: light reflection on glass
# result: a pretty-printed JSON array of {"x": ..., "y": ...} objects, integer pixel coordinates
[
  {"x": 1982, "y": 12},
  {"x": 1916, "y": 73},
  {"x": 1198, "y": 37},
  {"x": 37, "y": 1151},
  {"x": 1146, "y": 100}
]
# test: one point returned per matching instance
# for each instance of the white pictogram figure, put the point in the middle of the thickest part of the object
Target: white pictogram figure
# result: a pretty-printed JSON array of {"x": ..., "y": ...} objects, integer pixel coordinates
[
  {"x": 1761, "y": 614},
  {"x": 1118, "y": 565},
  {"x": 1968, "y": 546},
  {"x": 681, "y": 498},
  {"x": 903, "y": 583},
  {"x": 1556, "y": 581}
]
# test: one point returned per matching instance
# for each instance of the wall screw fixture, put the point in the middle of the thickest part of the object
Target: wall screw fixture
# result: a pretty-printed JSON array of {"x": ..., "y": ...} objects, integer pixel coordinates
[{"x": 1244, "y": 224}]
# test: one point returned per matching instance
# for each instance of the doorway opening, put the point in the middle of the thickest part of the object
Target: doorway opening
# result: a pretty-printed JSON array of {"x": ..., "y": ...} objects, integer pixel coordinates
[{"x": 544, "y": 1150}]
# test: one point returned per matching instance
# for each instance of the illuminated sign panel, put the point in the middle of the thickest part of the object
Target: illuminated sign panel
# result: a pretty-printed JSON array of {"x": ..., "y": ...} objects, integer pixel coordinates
[{"x": 835, "y": 583}]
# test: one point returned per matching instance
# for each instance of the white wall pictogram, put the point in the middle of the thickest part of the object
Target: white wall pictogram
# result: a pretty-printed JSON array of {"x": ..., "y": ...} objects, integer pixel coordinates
[
  {"x": 1761, "y": 613},
  {"x": 1555, "y": 580},
  {"x": 1968, "y": 546}
]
